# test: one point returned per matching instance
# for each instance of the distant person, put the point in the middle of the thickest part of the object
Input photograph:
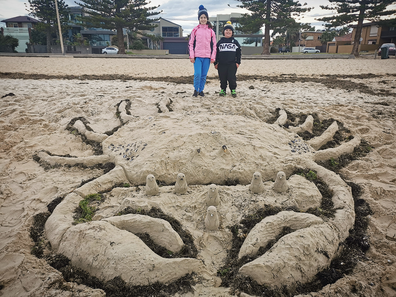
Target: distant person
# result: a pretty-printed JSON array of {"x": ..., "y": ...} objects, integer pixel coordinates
[
  {"x": 202, "y": 50},
  {"x": 228, "y": 59}
]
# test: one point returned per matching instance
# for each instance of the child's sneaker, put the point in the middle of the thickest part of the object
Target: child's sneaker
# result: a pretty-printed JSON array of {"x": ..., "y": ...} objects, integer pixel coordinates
[
  {"x": 202, "y": 94},
  {"x": 222, "y": 93},
  {"x": 233, "y": 93},
  {"x": 195, "y": 93}
]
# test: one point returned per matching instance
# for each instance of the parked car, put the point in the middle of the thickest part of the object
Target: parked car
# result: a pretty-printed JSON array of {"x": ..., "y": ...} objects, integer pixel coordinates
[
  {"x": 284, "y": 50},
  {"x": 310, "y": 50},
  {"x": 391, "y": 48},
  {"x": 110, "y": 50}
]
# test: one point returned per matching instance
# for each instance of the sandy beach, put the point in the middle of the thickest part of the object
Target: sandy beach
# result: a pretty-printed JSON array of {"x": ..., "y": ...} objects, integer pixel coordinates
[{"x": 146, "y": 104}]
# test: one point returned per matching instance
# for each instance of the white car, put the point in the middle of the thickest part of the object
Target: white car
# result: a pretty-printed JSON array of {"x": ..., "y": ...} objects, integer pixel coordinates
[
  {"x": 310, "y": 50},
  {"x": 110, "y": 50}
]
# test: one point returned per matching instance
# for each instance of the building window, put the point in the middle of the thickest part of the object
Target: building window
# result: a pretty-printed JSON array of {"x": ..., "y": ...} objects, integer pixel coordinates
[
  {"x": 74, "y": 18},
  {"x": 12, "y": 25},
  {"x": 309, "y": 38},
  {"x": 170, "y": 31},
  {"x": 373, "y": 31},
  {"x": 98, "y": 39}
]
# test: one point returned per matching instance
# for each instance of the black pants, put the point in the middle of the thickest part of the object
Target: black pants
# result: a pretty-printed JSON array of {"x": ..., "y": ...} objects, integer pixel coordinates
[{"x": 227, "y": 73}]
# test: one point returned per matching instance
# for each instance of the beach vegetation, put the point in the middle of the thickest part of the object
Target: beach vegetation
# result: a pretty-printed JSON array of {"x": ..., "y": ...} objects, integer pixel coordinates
[
  {"x": 333, "y": 162},
  {"x": 86, "y": 208}
]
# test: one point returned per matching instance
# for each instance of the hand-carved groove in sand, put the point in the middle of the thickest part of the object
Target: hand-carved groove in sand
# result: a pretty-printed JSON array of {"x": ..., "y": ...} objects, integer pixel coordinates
[{"x": 252, "y": 147}]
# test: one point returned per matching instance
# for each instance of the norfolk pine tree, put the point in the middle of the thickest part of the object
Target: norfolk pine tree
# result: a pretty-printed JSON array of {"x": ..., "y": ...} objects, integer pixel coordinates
[
  {"x": 44, "y": 10},
  {"x": 292, "y": 31},
  {"x": 272, "y": 14},
  {"x": 350, "y": 11},
  {"x": 118, "y": 14}
]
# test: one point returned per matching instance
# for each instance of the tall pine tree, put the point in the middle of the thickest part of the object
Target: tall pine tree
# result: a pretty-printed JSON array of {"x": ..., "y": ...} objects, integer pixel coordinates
[
  {"x": 272, "y": 14},
  {"x": 352, "y": 11},
  {"x": 44, "y": 10},
  {"x": 291, "y": 32},
  {"x": 118, "y": 14}
]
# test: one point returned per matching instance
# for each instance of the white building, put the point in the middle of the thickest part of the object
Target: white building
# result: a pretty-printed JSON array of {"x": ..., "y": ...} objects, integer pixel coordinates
[
  {"x": 250, "y": 43},
  {"x": 19, "y": 28}
]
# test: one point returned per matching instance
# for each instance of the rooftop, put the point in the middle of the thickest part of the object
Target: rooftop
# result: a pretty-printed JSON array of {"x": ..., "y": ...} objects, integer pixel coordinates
[{"x": 21, "y": 19}]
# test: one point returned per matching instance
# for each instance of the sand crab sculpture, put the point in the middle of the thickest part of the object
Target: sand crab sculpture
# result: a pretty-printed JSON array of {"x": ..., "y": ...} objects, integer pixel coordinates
[{"x": 167, "y": 144}]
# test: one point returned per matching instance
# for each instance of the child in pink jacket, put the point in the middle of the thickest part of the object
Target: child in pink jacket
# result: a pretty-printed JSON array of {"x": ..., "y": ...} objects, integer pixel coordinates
[{"x": 202, "y": 46}]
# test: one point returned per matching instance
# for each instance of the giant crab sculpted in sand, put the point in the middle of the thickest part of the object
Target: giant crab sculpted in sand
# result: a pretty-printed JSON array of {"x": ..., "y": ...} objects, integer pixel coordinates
[{"x": 208, "y": 150}]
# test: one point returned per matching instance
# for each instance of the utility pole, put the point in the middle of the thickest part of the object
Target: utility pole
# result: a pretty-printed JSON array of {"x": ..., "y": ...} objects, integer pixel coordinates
[
  {"x": 299, "y": 40},
  {"x": 59, "y": 27}
]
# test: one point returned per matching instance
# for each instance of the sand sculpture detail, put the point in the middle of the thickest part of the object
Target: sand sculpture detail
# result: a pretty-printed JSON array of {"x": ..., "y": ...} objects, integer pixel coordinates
[
  {"x": 152, "y": 188},
  {"x": 252, "y": 146},
  {"x": 281, "y": 182},
  {"x": 213, "y": 196},
  {"x": 159, "y": 230},
  {"x": 212, "y": 219},
  {"x": 181, "y": 184},
  {"x": 269, "y": 228},
  {"x": 257, "y": 186}
]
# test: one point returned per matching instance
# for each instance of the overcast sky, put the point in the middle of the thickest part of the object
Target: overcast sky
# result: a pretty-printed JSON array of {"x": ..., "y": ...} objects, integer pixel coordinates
[{"x": 181, "y": 12}]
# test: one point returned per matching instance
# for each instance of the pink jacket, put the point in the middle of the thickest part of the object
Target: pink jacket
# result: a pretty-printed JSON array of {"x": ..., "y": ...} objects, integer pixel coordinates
[{"x": 202, "y": 35}]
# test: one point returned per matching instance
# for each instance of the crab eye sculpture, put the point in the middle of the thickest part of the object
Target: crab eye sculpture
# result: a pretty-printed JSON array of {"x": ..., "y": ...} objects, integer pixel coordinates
[{"x": 158, "y": 147}]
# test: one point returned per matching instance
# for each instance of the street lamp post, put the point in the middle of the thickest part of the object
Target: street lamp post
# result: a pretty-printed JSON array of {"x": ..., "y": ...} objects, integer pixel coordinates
[{"x": 59, "y": 27}]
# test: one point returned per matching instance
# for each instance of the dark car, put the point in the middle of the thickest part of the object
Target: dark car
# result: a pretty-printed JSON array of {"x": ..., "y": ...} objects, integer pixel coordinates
[
  {"x": 391, "y": 48},
  {"x": 284, "y": 50}
]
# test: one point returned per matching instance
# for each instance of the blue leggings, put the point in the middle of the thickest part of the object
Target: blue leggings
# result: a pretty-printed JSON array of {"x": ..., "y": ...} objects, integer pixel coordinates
[{"x": 201, "y": 68}]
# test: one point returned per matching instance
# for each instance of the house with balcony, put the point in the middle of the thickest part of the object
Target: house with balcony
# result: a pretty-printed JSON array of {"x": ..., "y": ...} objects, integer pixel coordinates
[
  {"x": 311, "y": 39},
  {"x": 20, "y": 27},
  {"x": 170, "y": 37},
  {"x": 370, "y": 39}
]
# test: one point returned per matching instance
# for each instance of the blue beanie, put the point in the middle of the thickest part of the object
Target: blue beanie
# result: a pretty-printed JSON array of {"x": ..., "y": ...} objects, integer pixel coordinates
[{"x": 202, "y": 10}]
